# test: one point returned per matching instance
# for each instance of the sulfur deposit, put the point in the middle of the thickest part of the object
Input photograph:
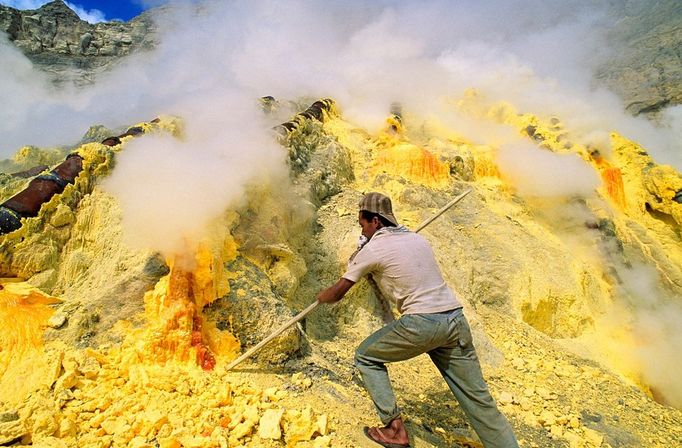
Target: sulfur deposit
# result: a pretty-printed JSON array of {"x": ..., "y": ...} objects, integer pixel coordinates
[{"x": 111, "y": 346}]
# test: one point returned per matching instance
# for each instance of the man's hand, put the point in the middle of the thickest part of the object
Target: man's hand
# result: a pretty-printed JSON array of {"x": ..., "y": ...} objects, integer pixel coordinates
[{"x": 335, "y": 292}]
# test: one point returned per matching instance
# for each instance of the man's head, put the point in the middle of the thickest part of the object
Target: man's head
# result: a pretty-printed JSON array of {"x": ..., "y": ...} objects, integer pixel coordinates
[{"x": 375, "y": 212}]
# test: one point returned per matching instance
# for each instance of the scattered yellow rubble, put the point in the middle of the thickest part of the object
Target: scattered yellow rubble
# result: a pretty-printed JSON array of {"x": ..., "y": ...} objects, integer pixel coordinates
[
  {"x": 87, "y": 398},
  {"x": 98, "y": 399},
  {"x": 148, "y": 391}
]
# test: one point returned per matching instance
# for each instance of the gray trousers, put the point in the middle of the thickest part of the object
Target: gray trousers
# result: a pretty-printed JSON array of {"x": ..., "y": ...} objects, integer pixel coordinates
[{"x": 446, "y": 338}]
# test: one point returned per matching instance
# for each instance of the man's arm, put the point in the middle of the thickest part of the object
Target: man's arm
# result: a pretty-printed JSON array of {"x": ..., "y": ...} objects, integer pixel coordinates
[{"x": 335, "y": 292}]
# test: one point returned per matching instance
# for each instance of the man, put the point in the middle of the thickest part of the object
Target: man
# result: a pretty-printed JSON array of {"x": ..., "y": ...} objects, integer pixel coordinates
[{"x": 405, "y": 269}]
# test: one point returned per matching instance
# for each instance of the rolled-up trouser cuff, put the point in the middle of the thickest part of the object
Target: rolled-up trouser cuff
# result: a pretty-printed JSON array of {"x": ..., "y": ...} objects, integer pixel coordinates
[{"x": 377, "y": 384}]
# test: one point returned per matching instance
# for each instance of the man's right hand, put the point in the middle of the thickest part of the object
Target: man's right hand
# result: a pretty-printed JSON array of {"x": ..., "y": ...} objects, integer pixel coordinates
[{"x": 335, "y": 292}]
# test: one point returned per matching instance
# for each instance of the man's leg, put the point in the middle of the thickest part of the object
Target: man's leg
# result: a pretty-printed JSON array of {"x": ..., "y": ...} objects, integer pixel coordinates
[
  {"x": 403, "y": 339},
  {"x": 458, "y": 363}
]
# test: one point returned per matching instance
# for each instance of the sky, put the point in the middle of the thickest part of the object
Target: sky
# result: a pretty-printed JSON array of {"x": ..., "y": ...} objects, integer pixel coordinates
[{"x": 93, "y": 11}]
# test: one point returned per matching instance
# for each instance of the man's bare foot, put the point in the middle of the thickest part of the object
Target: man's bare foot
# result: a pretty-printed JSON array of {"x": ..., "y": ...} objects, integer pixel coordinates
[{"x": 393, "y": 435}]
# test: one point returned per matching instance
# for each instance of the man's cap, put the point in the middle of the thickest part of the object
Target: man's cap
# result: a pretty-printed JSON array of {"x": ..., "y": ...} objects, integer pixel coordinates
[{"x": 380, "y": 204}]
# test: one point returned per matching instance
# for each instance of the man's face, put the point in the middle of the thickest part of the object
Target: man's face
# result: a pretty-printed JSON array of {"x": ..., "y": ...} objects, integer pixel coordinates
[{"x": 369, "y": 228}]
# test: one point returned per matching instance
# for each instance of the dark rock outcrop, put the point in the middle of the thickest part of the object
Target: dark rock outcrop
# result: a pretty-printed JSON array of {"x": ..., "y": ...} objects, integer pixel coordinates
[
  {"x": 57, "y": 41},
  {"x": 645, "y": 69}
]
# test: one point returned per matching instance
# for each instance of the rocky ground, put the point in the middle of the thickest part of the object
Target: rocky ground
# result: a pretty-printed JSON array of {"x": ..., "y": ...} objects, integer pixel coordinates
[{"x": 550, "y": 397}]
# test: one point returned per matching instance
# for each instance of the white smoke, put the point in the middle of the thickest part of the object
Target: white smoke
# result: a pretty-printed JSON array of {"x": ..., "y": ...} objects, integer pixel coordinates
[
  {"x": 214, "y": 57},
  {"x": 89, "y": 15},
  {"x": 538, "y": 172},
  {"x": 658, "y": 329},
  {"x": 17, "y": 75},
  {"x": 652, "y": 316},
  {"x": 171, "y": 190}
]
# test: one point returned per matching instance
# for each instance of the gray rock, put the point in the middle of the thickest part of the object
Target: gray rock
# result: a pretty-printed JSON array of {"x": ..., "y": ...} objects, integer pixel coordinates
[
  {"x": 252, "y": 310},
  {"x": 645, "y": 69},
  {"x": 57, "y": 320},
  {"x": 9, "y": 416},
  {"x": 57, "y": 41},
  {"x": 11, "y": 427},
  {"x": 96, "y": 133}
]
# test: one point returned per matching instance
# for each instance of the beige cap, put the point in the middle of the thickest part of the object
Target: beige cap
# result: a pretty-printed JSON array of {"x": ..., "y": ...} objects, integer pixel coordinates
[{"x": 380, "y": 204}]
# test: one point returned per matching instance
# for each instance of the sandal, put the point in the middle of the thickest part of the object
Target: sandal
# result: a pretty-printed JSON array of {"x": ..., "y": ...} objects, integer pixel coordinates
[{"x": 384, "y": 444}]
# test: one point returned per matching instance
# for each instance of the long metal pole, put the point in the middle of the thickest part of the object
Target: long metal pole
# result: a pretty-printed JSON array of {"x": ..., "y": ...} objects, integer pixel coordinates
[{"x": 313, "y": 305}]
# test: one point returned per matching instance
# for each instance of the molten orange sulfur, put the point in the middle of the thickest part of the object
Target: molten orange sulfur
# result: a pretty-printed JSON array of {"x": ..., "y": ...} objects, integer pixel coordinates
[
  {"x": 176, "y": 330},
  {"x": 23, "y": 315},
  {"x": 613, "y": 181},
  {"x": 205, "y": 358},
  {"x": 413, "y": 163},
  {"x": 176, "y": 326}
]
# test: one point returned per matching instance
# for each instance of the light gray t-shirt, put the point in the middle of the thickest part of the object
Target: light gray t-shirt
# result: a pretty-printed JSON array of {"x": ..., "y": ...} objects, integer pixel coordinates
[{"x": 405, "y": 269}]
